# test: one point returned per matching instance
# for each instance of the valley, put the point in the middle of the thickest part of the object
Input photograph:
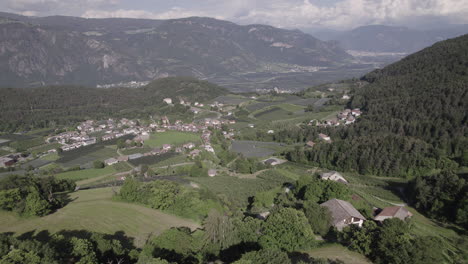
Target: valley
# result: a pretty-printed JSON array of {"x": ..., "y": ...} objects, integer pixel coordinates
[{"x": 197, "y": 140}]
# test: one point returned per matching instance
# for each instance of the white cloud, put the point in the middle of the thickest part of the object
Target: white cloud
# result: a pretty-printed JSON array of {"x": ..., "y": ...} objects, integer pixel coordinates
[{"x": 339, "y": 14}]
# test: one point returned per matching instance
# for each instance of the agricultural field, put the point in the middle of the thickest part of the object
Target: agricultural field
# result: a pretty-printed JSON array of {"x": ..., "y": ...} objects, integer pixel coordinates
[
  {"x": 6, "y": 139},
  {"x": 236, "y": 191},
  {"x": 95, "y": 210},
  {"x": 131, "y": 151},
  {"x": 151, "y": 160},
  {"x": 255, "y": 149},
  {"x": 273, "y": 113},
  {"x": 84, "y": 155},
  {"x": 25, "y": 144},
  {"x": 44, "y": 148},
  {"x": 171, "y": 161},
  {"x": 79, "y": 175},
  {"x": 231, "y": 99},
  {"x": 171, "y": 137}
]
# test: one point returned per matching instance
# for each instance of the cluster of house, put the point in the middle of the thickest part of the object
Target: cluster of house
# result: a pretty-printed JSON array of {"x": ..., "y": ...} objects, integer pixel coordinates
[
  {"x": 344, "y": 214},
  {"x": 346, "y": 117},
  {"x": 156, "y": 151},
  {"x": 72, "y": 140},
  {"x": 321, "y": 136},
  {"x": 169, "y": 101}
]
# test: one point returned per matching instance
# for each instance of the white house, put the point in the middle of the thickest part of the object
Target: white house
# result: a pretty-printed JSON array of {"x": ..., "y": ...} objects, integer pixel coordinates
[
  {"x": 168, "y": 100},
  {"x": 333, "y": 176}
]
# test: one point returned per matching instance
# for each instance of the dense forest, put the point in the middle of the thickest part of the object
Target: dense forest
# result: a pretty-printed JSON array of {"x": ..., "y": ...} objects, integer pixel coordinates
[
  {"x": 23, "y": 109},
  {"x": 415, "y": 118}
]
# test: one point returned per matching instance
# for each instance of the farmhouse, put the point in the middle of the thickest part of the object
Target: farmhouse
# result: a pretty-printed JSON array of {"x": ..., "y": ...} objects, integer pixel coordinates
[
  {"x": 393, "y": 212},
  {"x": 212, "y": 172},
  {"x": 273, "y": 161},
  {"x": 310, "y": 143},
  {"x": 122, "y": 158},
  {"x": 6, "y": 161},
  {"x": 167, "y": 100},
  {"x": 167, "y": 147},
  {"x": 343, "y": 214},
  {"x": 324, "y": 137},
  {"x": 333, "y": 176},
  {"x": 194, "y": 153},
  {"x": 111, "y": 161},
  {"x": 135, "y": 156}
]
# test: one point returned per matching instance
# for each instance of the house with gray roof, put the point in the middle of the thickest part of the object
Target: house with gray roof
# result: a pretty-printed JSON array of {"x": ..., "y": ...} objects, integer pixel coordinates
[
  {"x": 343, "y": 214},
  {"x": 333, "y": 176},
  {"x": 399, "y": 212}
]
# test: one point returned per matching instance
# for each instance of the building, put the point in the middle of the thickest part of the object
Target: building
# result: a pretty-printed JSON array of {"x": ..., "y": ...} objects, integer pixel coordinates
[
  {"x": 273, "y": 161},
  {"x": 343, "y": 214},
  {"x": 135, "y": 156},
  {"x": 333, "y": 176},
  {"x": 212, "y": 172},
  {"x": 111, "y": 161},
  {"x": 393, "y": 212},
  {"x": 271, "y": 132},
  {"x": 310, "y": 143},
  {"x": 167, "y": 147},
  {"x": 194, "y": 153},
  {"x": 122, "y": 158},
  {"x": 168, "y": 100},
  {"x": 324, "y": 137}
]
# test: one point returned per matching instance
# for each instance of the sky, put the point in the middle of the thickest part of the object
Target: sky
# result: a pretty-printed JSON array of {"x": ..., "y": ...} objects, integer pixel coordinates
[{"x": 301, "y": 14}]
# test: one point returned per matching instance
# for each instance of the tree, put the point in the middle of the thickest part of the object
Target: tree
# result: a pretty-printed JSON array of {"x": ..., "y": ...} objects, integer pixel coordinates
[
  {"x": 163, "y": 194},
  {"x": 220, "y": 230},
  {"x": 36, "y": 205},
  {"x": 97, "y": 164},
  {"x": 287, "y": 229},
  {"x": 318, "y": 216},
  {"x": 264, "y": 256}
]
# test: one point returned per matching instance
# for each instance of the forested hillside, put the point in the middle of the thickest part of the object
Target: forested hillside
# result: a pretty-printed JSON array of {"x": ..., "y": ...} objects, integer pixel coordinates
[
  {"x": 415, "y": 117},
  {"x": 22, "y": 109}
]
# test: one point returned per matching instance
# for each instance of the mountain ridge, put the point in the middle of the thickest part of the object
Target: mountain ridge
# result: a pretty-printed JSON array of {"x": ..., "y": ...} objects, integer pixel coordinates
[{"x": 69, "y": 50}]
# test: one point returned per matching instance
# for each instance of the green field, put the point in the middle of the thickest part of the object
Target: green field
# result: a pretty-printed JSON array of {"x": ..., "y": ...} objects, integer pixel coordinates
[
  {"x": 79, "y": 175},
  {"x": 338, "y": 252},
  {"x": 171, "y": 137},
  {"x": 94, "y": 210}
]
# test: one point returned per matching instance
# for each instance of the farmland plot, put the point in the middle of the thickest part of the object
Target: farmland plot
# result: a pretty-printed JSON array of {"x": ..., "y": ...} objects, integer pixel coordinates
[{"x": 255, "y": 148}]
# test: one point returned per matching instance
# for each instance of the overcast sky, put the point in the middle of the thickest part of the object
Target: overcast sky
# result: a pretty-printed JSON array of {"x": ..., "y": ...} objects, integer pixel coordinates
[{"x": 333, "y": 14}]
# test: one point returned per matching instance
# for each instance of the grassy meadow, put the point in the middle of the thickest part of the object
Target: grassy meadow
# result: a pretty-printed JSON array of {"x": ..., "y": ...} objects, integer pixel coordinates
[
  {"x": 171, "y": 137},
  {"x": 95, "y": 210}
]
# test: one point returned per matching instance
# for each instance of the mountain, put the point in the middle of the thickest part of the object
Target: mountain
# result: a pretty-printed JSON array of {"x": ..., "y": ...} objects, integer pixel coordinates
[
  {"x": 70, "y": 50},
  {"x": 63, "y": 105},
  {"x": 391, "y": 39}
]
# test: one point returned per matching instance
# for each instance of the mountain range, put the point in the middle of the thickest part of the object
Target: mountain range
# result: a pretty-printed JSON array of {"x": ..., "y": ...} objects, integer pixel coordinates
[
  {"x": 390, "y": 43},
  {"x": 37, "y": 51}
]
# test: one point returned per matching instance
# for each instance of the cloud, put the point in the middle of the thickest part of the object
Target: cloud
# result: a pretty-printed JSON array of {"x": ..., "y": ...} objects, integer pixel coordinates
[
  {"x": 337, "y": 14},
  {"x": 352, "y": 13}
]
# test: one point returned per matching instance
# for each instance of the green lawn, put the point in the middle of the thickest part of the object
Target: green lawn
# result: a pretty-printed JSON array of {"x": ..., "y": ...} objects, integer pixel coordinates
[
  {"x": 94, "y": 210},
  {"x": 86, "y": 174},
  {"x": 171, "y": 137},
  {"x": 338, "y": 252}
]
